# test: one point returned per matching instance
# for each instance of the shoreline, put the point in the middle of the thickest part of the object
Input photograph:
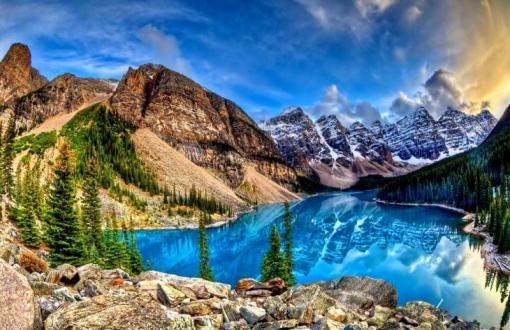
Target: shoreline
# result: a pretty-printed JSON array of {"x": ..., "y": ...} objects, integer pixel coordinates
[{"x": 441, "y": 206}]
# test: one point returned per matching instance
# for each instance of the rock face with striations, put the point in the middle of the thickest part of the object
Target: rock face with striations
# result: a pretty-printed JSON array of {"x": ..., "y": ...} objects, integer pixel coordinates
[
  {"x": 17, "y": 77},
  {"x": 63, "y": 94},
  {"x": 210, "y": 130}
]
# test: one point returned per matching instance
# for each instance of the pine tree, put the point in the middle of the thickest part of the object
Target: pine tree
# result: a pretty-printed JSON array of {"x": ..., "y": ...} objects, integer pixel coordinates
[
  {"x": 91, "y": 209},
  {"x": 204, "y": 270},
  {"x": 64, "y": 233},
  {"x": 287, "y": 237},
  {"x": 274, "y": 263},
  {"x": 125, "y": 258},
  {"x": 7, "y": 156},
  {"x": 134, "y": 255}
]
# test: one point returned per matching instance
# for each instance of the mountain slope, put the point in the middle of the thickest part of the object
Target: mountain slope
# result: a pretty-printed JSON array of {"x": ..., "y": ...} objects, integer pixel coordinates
[
  {"x": 211, "y": 131},
  {"x": 17, "y": 76},
  {"x": 63, "y": 94},
  {"x": 463, "y": 180}
]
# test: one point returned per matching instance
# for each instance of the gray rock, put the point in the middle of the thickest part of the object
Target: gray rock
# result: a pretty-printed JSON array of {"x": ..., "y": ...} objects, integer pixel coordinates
[
  {"x": 48, "y": 305},
  {"x": 361, "y": 292},
  {"x": 201, "y": 288},
  {"x": 64, "y": 295},
  {"x": 252, "y": 314},
  {"x": 91, "y": 289},
  {"x": 276, "y": 325},
  {"x": 235, "y": 325}
]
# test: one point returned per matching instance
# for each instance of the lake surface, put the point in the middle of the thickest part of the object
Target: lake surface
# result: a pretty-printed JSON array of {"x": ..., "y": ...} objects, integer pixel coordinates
[{"x": 420, "y": 250}]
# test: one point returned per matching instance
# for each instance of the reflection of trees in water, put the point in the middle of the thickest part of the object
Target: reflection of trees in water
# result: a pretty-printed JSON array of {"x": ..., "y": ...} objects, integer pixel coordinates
[{"x": 498, "y": 282}]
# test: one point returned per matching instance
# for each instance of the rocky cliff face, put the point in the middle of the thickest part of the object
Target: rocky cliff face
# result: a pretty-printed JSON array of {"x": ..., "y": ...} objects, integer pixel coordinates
[
  {"x": 17, "y": 77},
  {"x": 209, "y": 129},
  {"x": 418, "y": 137},
  {"x": 339, "y": 155},
  {"x": 63, "y": 94}
]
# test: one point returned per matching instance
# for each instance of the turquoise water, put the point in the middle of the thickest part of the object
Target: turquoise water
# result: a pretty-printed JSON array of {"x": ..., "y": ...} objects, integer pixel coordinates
[{"x": 419, "y": 250}]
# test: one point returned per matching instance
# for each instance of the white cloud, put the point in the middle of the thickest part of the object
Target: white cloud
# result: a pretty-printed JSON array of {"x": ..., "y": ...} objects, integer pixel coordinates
[
  {"x": 440, "y": 91},
  {"x": 368, "y": 7},
  {"x": 335, "y": 103},
  {"x": 166, "y": 48},
  {"x": 412, "y": 14}
]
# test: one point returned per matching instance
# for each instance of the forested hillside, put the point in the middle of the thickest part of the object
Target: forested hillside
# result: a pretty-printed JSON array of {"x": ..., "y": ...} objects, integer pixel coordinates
[{"x": 466, "y": 180}]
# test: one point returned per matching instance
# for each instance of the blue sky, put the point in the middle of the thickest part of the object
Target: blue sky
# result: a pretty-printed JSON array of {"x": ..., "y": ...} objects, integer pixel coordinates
[{"x": 361, "y": 59}]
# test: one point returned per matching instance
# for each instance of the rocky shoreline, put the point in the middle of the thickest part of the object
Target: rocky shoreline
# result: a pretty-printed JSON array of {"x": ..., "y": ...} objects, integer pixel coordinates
[{"x": 35, "y": 296}]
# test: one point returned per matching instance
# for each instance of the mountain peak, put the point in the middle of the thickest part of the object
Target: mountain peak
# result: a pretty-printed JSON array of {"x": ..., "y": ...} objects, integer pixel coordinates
[
  {"x": 17, "y": 77},
  {"x": 18, "y": 56}
]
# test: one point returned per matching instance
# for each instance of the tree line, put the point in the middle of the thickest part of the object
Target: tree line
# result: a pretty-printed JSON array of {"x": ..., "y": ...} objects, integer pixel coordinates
[{"x": 70, "y": 229}]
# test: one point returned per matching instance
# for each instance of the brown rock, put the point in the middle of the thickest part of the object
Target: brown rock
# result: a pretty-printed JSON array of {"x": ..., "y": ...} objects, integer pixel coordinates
[
  {"x": 17, "y": 77},
  {"x": 245, "y": 284},
  {"x": 117, "y": 310},
  {"x": 18, "y": 309},
  {"x": 196, "y": 308}
]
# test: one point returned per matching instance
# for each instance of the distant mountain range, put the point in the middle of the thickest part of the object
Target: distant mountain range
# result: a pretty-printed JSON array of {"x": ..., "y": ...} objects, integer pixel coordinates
[{"x": 339, "y": 155}]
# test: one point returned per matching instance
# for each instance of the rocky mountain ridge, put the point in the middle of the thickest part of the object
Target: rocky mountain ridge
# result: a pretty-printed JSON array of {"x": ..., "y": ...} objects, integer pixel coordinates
[
  {"x": 210, "y": 130},
  {"x": 331, "y": 150}
]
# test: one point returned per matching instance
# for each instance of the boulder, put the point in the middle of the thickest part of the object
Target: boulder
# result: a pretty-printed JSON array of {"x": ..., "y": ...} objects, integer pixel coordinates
[
  {"x": 210, "y": 322},
  {"x": 68, "y": 274},
  {"x": 252, "y": 288},
  {"x": 276, "y": 307},
  {"x": 47, "y": 305},
  {"x": 379, "y": 315},
  {"x": 361, "y": 292},
  {"x": 88, "y": 272},
  {"x": 41, "y": 288},
  {"x": 336, "y": 314},
  {"x": 18, "y": 309},
  {"x": 91, "y": 289},
  {"x": 236, "y": 325},
  {"x": 252, "y": 314},
  {"x": 168, "y": 295},
  {"x": 245, "y": 284},
  {"x": 117, "y": 310},
  {"x": 328, "y": 324},
  {"x": 313, "y": 297},
  {"x": 201, "y": 288},
  {"x": 8, "y": 252},
  {"x": 276, "y": 325},
  {"x": 196, "y": 308}
]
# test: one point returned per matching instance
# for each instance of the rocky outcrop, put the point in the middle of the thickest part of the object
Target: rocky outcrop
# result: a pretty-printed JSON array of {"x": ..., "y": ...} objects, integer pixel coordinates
[
  {"x": 17, "y": 305},
  {"x": 210, "y": 130},
  {"x": 17, "y": 76},
  {"x": 118, "y": 310},
  {"x": 63, "y": 94}
]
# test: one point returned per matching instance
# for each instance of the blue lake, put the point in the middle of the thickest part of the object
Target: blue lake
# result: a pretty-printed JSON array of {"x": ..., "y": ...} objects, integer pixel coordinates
[{"x": 420, "y": 250}]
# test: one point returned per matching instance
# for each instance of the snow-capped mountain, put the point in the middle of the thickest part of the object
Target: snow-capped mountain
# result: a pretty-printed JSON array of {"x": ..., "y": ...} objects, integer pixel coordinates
[
  {"x": 418, "y": 138},
  {"x": 339, "y": 155}
]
